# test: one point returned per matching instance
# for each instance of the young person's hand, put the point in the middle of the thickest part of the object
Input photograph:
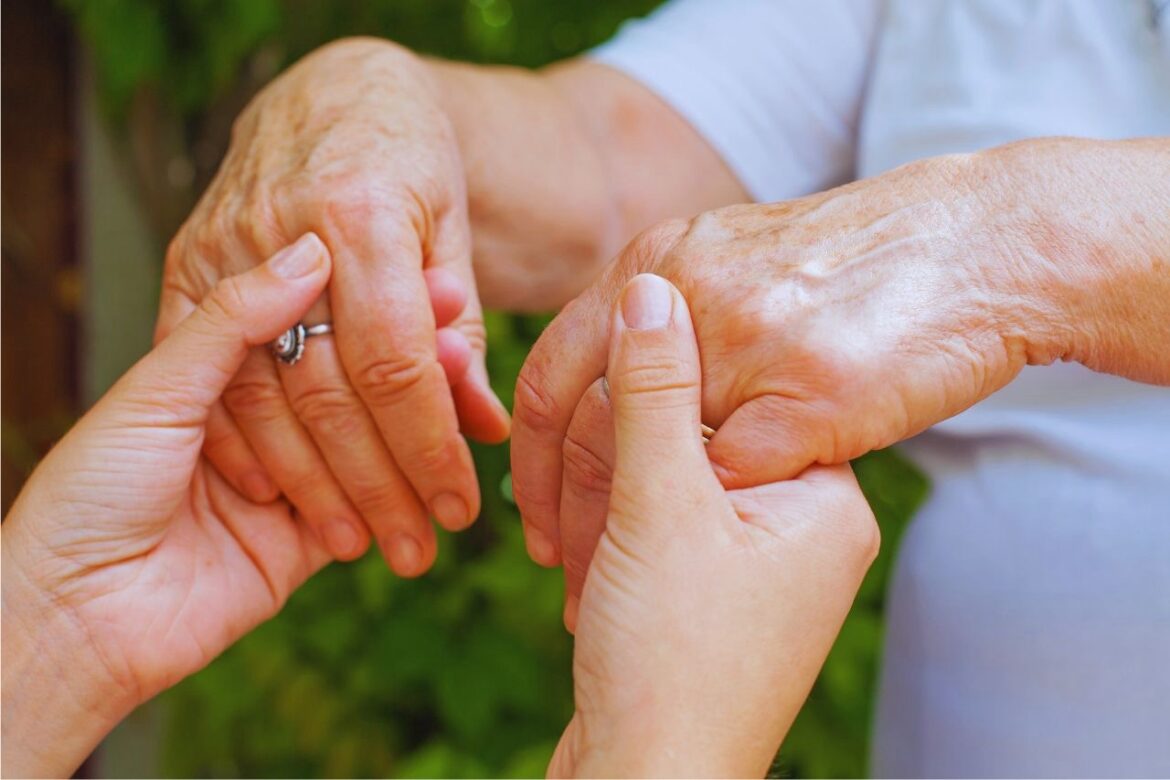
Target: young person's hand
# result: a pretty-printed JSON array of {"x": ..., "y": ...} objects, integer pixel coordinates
[
  {"x": 706, "y": 612},
  {"x": 128, "y": 561}
]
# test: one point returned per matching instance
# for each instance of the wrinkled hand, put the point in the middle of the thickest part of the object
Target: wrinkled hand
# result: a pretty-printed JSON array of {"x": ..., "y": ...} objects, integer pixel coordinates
[
  {"x": 707, "y": 612},
  {"x": 128, "y": 562},
  {"x": 362, "y": 435},
  {"x": 828, "y": 326}
]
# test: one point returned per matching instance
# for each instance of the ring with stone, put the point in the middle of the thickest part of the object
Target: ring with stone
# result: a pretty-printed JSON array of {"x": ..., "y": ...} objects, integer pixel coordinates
[{"x": 289, "y": 346}]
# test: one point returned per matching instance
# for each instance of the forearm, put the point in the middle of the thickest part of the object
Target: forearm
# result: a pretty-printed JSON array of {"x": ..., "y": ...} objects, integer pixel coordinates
[
  {"x": 543, "y": 217},
  {"x": 563, "y": 167},
  {"x": 1090, "y": 223},
  {"x": 59, "y": 701}
]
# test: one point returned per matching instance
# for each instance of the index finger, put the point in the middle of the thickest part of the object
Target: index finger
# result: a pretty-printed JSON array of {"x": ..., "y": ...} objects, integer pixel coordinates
[
  {"x": 567, "y": 358},
  {"x": 385, "y": 331}
]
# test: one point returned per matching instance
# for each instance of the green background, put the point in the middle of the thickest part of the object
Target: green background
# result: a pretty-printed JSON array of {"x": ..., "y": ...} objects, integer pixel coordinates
[{"x": 465, "y": 672}]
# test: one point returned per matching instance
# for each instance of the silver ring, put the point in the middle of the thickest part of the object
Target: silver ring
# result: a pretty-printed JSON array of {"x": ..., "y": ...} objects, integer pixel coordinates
[{"x": 289, "y": 347}]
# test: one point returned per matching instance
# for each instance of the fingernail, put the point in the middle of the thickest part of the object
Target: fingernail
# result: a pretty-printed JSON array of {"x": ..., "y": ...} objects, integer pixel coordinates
[
  {"x": 405, "y": 555},
  {"x": 572, "y": 607},
  {"x": 258, "y": 487},
  {"x": 298, "y": 259},
  {"x": 540, "y": 549},
  {"x": 646, "y": 302},
  {"x": 450, "y": 511},
  {"x": 341, "y": 538}
]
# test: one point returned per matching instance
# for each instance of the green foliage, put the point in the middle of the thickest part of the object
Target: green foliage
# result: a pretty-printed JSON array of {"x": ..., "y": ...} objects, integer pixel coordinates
[
  {"x": 465, "y": 672},
  {"x": 193, "y": 47},
  {"x": 191, "y": 52}
]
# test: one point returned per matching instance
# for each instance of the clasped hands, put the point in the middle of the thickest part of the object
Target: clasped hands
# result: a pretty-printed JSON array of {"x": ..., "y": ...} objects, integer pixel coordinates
[
  {"x": 130, "y": 562},
  {"x": 717, "y": 574}
]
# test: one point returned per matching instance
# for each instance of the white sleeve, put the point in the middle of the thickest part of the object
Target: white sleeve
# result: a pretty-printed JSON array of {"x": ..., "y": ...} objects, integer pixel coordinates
[{"x": 775, "y": 86}]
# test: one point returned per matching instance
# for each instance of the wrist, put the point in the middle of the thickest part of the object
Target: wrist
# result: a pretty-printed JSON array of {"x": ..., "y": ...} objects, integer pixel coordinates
[
  {"x": 1074, "y": 227},
  {"x": 537, "y": 242},
  {"x": 60, "y": 697},
  {"x": 644, "y": 742}
]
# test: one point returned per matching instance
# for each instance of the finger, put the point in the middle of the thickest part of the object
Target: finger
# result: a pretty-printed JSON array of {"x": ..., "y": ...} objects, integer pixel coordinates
[
  {"x": 188, "y": 371},
  {"x": 386, "y": 338},
  {"x": 331, "y": 411},
  {"x": 588, "y": 472},
  {"x": 447, "y": 293},
  {"x": 227, "y": 449},
  {"x": 654, "y": 380},
  {"x": 224, "y": 444},
  {"x": 481, "y": 414},
  {"x": 448, "y": 299},
  {"x": 257, "y": 401},
  {"x": 767, "y": 439},
  {"x": 568, "y": 357},
  {"x": 453, "y": 353},
  {"x": 279, "y": 542}
]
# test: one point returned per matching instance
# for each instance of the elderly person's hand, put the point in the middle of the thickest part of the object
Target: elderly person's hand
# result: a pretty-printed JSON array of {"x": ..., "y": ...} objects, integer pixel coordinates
[
  {"x": 847, "y": 321},
  {"x": 707, "y": 613},
  {"x": 363, "y": 434},
  {"x": 128, "y": 561}
]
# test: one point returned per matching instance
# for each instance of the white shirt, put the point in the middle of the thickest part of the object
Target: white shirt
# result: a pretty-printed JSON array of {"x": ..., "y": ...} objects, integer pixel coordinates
[{"x": 1028, "y": 623}]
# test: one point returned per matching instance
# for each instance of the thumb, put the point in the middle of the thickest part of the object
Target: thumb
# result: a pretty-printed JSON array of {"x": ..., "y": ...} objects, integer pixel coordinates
[
  {"x": 189, "y": 369},
  {"x": 654, "y": 381}
]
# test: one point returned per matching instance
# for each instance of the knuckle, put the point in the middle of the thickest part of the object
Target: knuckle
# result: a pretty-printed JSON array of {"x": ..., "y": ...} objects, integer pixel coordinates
[
  {"x": 476, "y": 335},
  {"x": 655, "y": 242},
  {"x": 584, "y": 469},
  {"x": 534, "y": 407},
  {"x": 205, "y": 243},
  {"x": 664, "y": 375},
  {"x": 176, "y": 249},
  {"x": 536, "y": 506},
  {"x": 353, "y": 201},
  {"x": 377, "y": 497},
  {"x": 254, "y": 399},
  {"x": 258, "y": 225},
  {"x": 386, "y": 380},
  {"x": 330, "y": 411},
  {"x": 749, "y": 325},
  {"x": 221, "y": 223},
  {"x": 433, "y": 458},
  {"x": 226, "y": 300}
]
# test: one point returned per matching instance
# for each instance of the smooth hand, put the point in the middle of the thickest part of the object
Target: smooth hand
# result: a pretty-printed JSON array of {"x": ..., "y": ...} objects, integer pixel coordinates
[
  {"x": 363, "y": 434},
  {"x": 707, "y": 613},
  {"x": 128, "y": 561},
  {"x": 847, "y": 321}
]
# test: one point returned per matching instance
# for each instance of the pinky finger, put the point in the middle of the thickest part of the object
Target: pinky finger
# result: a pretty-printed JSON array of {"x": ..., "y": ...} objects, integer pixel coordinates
[
  {"x": 229, "y": 452},
  {"x": 454, "y": 354}
]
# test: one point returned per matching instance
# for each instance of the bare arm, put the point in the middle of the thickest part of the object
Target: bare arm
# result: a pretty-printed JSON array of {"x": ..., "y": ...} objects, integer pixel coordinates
[
  {"x": 849, "y": 320},
  {"x": 1087, "y": 232},
  {"x": 564, "y": 166},
  {"x": 408, "y": 170}
]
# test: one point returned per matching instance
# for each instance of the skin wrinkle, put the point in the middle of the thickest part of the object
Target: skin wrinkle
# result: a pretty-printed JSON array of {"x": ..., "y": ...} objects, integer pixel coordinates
[
  {"x": 946, "y": 289},
  {"x": 881, "y": 260},
  {"x": 217, "y": 510}
]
